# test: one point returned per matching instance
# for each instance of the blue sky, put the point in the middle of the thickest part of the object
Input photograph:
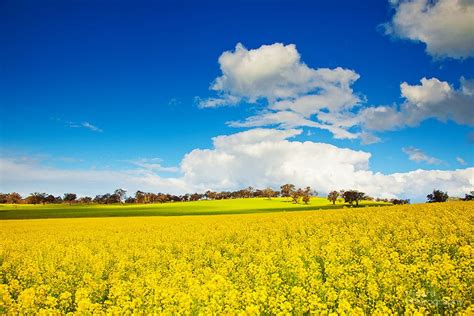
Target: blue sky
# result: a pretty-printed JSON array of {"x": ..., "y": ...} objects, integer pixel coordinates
[{"x": 136, "y": 72}]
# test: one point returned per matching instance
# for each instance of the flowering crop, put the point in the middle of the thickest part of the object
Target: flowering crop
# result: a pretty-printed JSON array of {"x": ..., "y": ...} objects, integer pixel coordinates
[{"x": 377, "y": 260}]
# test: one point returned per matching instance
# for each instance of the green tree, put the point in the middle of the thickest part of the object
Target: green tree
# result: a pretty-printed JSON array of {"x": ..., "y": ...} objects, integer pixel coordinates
[
  {"x": 352, "y": 196},
  {"x": 469, "y": 197},
  {"x": 13, "y": 198},
  {"x": 287, "y": 190},
  {"x": 306, "y": 195},
  {"x": 140, "y": 197},
  {"x": 332, "y": 196},
  {"x": 36, "y": 198},
  {"x": 69, "y": 197},
  {"x": 296, "y": 195},
  {"x": 268, "y": 193},
  {"x": 120, "y": 193},
  {"x": 437, "y": 196}
]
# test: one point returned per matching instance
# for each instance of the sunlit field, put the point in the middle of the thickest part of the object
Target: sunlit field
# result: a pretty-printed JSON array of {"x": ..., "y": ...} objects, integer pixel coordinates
[
  {"x": 397, "y": 259},
  {"x": 213, "y": 207}
]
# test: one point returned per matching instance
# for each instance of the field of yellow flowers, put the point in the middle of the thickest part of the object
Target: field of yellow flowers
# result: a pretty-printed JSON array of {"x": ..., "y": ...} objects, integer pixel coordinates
[{"x": 374, "y": 260}]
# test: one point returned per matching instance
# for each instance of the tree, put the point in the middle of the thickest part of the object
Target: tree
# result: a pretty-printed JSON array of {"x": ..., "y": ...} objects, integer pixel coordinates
[
  {"x": 113, "y": 199},
  {"x": 130, "y": 200},
  {"x": 36, "y": 198},
  {"x": 50, "y": 199},
  {"x": 162, "y": 198},
  {"x": 195, "y": 197},
  {"x": 360, "y": 196},
  {"x": 296, "y": 195},
  {"x": 209, "y": 195},
  {"x": 352, "y": 196},
  {"x": 399, "y": 201},
  {"x": 247, "y": 192},
  {"x": 287, "y": 190},
  {"x": 121, "y": 194},
  {"x": 469, "y": 197},
  {"x": 306, "y": 195},
  {"x": 140, "y": 197},
  {"x": 69, "y": 197},
  {"x": 437, "y": 196},
  {"x": 332, "y": 196},
  {"x": 268, "y": 193},
  {"x": 105, "y": 199},
  {"x": 85, "y": 199},
  {"x": 13, "y": 198}
]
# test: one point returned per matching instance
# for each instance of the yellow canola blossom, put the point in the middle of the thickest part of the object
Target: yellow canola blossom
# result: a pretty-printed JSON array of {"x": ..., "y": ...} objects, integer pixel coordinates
[{"x": 412, "y": 260}]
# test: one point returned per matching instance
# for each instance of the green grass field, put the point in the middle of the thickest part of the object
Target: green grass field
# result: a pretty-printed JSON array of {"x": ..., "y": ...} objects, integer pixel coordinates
[{"x": 236, "y": 206}]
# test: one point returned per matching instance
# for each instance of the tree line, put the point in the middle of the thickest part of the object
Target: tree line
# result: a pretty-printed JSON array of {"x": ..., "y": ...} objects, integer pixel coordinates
[
  {"x": 140, "y": 197},
  {"x": 290, "y": 191}
]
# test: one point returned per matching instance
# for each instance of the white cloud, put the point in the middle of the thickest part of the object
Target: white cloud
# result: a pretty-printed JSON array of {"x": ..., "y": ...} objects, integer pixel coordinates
[
  {"x": 461, "y": 161},
  {"x": 277, "y": 74},
  {"x": 69, "y": 159},
  {"x": 417, "y": 155},
  {"x": 380, "y": 118},
  {"x": 152, "y": 164},
  {"x": 445, "y": 26},
  {"x": 290, "y": 119},
  {"x": 174, "y": 102},
  {"x": 430, "y": 99},
  {"x": 26, "y": 176},
  {"x": 257, "y": 157},
  {"x": 85, "y": 125},
  {"x": 294, "y": 95},
  {"x": 368, "y": 138},
  {"x": 291, "y": 90},
  {"x": 333, "y": 98},
  {"x": 265, "y": 157},
  {"x": 224, "y": 100},
  {"x": 435, "y": 98}
]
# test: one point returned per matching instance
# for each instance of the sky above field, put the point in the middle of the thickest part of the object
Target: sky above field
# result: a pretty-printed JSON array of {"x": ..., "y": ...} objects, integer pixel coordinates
[{"x": 174, "y": 96}]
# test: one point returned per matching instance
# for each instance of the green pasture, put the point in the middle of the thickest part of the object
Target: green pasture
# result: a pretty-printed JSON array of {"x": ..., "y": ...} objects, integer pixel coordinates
[{"x": 215, "y": 207}]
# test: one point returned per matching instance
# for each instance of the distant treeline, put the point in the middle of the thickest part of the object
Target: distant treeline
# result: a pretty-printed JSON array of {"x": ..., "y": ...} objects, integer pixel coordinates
[{"x": 290, "y": 191}]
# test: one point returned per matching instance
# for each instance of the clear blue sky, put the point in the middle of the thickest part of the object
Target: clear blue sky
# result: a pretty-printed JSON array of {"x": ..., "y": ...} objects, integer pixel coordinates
[{"x": 133, "y": 69}]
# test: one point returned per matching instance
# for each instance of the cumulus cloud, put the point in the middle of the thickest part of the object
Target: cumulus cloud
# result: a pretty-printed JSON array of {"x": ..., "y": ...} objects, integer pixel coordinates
[
  {"x": 417, "y": 155},
  {"x": 276, "y": 73},
  {"x": 292, "y": 92},
  {"x": 294, "y": 95},
  {"x": 257, "y": 157},
  {"x": 430, "y": 99},
  {"x": 265, "y": 157},
  {"x": 445, "y": 26},
  {"x": 262, "y": 157}
]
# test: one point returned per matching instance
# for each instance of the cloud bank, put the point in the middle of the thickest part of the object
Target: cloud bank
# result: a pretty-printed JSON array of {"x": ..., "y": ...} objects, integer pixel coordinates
[{"x": 257, "y": 157}]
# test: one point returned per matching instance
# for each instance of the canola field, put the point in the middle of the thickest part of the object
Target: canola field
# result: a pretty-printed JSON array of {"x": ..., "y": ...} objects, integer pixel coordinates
[{"x": 377, "y": 260}]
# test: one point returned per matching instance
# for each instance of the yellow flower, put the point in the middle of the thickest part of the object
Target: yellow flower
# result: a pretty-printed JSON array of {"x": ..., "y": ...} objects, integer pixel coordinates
[{"x": 380, "y": 261}]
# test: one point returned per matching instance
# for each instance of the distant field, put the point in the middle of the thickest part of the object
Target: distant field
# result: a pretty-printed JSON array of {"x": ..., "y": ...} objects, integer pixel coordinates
[{"x": 216, "y": 207}]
